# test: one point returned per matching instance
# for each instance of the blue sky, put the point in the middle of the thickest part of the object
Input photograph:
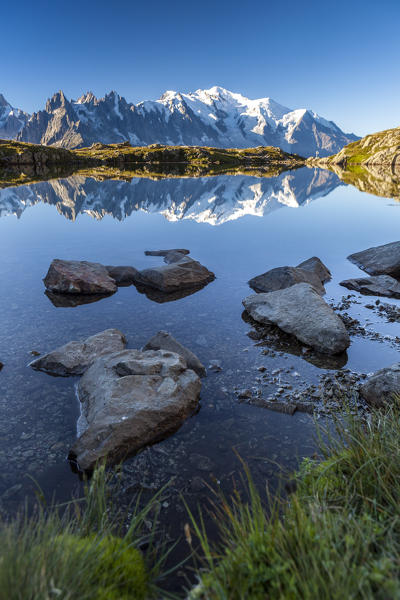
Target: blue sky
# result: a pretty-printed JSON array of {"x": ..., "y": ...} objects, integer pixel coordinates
[{"x": 341, "y": 59}]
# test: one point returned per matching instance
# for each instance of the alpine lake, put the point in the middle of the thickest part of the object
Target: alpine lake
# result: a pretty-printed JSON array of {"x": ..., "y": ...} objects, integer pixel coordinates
[{"x": 238, "y": 226}]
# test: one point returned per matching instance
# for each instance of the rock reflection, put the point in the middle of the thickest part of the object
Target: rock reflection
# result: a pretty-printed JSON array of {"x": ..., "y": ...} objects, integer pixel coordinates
[
  {"x": 74, "y": 300},
  {"x": 162, "y": 297},
  {"x": 270, "y": 337}
]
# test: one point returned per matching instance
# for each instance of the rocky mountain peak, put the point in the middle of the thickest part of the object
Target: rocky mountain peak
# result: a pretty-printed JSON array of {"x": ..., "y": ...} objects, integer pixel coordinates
[
  {"x": 88, "y": 98},
  {"x": 57, "y": 101},
  {"x": 3, "y": 101}
]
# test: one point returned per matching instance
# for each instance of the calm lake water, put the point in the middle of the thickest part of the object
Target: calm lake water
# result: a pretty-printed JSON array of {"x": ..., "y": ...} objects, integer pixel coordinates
[{"x": 238, "y": 226}]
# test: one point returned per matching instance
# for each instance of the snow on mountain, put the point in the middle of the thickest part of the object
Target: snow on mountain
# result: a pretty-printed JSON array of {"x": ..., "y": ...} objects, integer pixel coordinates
[
  {"x": 214, "y": 117},
  {"x": 12, "y": 119},
  {"x": 213, "y": 200}
]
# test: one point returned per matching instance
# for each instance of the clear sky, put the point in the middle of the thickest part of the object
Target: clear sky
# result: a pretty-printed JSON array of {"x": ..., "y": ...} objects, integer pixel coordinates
[{"x": 339, "y": 58}]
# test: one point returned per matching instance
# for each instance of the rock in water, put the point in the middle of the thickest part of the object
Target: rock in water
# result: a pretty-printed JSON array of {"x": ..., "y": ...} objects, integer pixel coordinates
[
  {"x": 284, "y": 277},
  {"x": 379, "y": 260},
  {"x": 130, "y": 399},
  {"x": 78, "y": 277},
  {"x": 316, "y": 265},
  {"x": 186, "y": 273},
  {"x": 122, "y": 275},
  {"x": 378, "y": 285},
  {"x": 300, "y": 311},
  {"x": 165, "y": 253},
  {"x": 164, "y": 341},
  {"x": 174, "y": 256},
  {"x": 380, "y": 388},
  {"x": 75, "y": 357}
]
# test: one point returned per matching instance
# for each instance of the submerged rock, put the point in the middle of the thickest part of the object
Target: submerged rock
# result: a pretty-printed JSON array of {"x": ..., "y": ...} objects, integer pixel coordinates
[
  {"x": 164, "y": 341},
  {"x": 78, "y": 277},
  {"x": 380, "y": 388},
  {"x": 130, "y": 399},
  {"x": 315, "y": 265},
  {"x": 122, "y": 275},
  {"x": 75, "y": 357},
  {"x": 379, "y": 260},
  {"x": 300, "y": 311},
  {"x": 378, "y": 285},
  {"x": 185, "y": 273}
]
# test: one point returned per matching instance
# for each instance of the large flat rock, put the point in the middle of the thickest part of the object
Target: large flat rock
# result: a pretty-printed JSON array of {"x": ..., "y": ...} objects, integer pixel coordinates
[
  {"x": 284, "y": 277},
  {"x": 165, "y": 341},
  {"x": 77, "y": 356},
  {"x": 130, "y": 399},
  {"x": 78, "y": 277},
  {"x": 183, "y": 274},
  {"x": 379, "y": 260},
  {"x": 300, "y": 311},
  {"x": 381, "y": 387},
  {"x": 378, "y": 285}
]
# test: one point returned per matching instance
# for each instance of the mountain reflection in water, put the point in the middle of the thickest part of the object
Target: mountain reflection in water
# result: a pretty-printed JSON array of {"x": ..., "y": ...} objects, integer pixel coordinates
[{"x": 213, "y": 200}]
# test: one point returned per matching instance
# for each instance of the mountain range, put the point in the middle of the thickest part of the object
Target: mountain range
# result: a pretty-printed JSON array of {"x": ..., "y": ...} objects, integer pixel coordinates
[
  {"x": 213, "y": 200},
  {"x": 213, "y": 117}
]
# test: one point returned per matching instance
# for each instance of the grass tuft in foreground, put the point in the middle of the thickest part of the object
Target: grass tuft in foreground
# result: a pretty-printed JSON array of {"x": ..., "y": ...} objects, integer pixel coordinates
[
  {"x": 79, "y": 552},
  {"x": 338, "y": 535}
]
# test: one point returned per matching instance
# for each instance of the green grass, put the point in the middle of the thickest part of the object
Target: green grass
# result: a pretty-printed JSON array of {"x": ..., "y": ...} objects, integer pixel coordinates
[
  {"x": 80, "y": 552},
  {"x": 337, "y": 537}
]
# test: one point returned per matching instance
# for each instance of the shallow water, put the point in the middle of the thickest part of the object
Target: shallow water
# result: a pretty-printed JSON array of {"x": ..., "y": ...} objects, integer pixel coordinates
[{"x": 238, "y": 226}]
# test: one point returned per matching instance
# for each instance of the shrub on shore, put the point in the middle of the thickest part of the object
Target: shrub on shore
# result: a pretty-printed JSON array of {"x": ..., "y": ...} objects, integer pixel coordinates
[
  {"x": 338, "y": 535},
  {"x": 79, "y": 551}
]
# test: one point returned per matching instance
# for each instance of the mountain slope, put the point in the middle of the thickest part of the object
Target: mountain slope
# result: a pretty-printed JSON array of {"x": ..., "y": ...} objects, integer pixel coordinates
[
  {"x": 376, "y": 149},
  {"x": 214, "y": 117},
  {"x": 12, "y": 120}
]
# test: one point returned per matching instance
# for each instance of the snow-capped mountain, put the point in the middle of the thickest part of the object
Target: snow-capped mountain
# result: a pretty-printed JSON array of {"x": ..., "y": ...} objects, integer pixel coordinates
[
  {"x": 212, "y": 200},
  {"x": 12, "y": 119},
  {"x": 214, "y": 117}
]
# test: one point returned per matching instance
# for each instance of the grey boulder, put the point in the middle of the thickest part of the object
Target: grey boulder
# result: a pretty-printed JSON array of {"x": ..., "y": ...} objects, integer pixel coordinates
[
  {"x": 381, "y": 386},
  {"x": 78, "y": 277},
  {"x": 300, "y": 311},
  {"x": 379, "y": 260},
  {"x": 130, "y": 399},
  {"x": 316, "y": 266},
  {"x": 378, "y": 285},
  {"x": 186, "y": 273},
  {"x": 284, "y": 277},
  {"x": 164, "y": 341},
  {"x": 75, "y": 357}
]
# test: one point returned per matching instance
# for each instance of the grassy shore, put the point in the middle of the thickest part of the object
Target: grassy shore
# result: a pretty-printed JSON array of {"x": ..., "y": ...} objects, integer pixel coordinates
[
  {"x": 337, "y": 536},
  {"x": 86, "y": 550},
  {"x": 22, "y": 163}
]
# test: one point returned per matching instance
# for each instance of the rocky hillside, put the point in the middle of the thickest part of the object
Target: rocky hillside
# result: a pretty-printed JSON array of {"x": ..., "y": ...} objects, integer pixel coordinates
[
  {"x": 214, "y": 117},
  {"x": 380, "y": 149},
  {"x": 21, "y": 162}
]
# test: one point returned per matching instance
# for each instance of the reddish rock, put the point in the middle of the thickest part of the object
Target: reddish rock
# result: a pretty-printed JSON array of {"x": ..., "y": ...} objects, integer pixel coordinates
[{"x": 78, "y": 277}]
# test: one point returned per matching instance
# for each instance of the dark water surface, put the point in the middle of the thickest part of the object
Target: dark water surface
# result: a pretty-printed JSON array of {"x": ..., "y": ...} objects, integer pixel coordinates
[{"x": 238, "y": 227}]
